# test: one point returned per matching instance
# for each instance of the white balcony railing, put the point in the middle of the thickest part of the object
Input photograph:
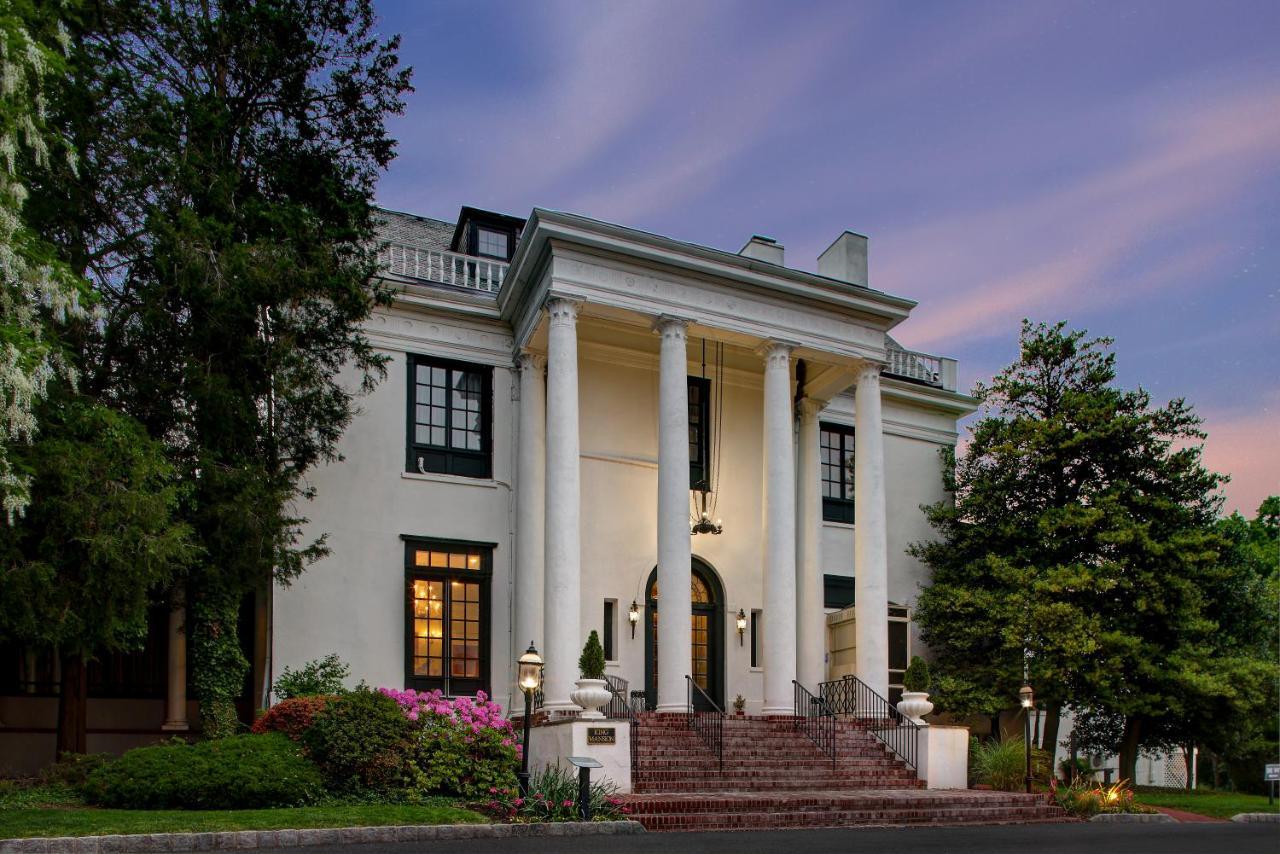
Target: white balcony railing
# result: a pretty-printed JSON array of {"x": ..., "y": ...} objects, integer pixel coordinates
[
  {"x": 444, "y": 268},
  {"x": 921, "y": 367}
]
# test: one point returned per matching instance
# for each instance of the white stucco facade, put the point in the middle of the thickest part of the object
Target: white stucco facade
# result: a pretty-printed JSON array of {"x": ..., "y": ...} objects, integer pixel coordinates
[{"x": 580, "y": 462}]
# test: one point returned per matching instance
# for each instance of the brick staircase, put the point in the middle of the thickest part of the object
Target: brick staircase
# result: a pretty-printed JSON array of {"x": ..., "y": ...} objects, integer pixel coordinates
[{"x": 774, "y": 777}]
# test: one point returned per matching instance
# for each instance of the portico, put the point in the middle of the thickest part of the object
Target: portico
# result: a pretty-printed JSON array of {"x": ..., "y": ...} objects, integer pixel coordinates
[{"x": 571, "y": 275}]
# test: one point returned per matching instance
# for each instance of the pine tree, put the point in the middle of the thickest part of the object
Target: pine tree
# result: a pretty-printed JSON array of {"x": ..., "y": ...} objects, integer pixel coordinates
[{"x": 1079, "y": 543}]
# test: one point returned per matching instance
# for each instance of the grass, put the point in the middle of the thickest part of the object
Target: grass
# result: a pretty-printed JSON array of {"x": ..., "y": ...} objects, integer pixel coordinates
[
  {"x": 56, "y": 811},
  {"x": 1206, "y": 801}
]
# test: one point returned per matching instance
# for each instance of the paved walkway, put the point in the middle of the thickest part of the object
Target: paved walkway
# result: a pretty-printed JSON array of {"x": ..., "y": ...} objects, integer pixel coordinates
[{"x": 1191, "y": 817}]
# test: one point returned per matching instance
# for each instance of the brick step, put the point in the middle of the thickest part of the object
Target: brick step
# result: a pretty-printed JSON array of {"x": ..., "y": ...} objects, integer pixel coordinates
[
  {"x": 748, "y": 787},
  {"x": 675, "y": 822},
  {"x": 711, "y": 770},
  {"x": 698, "y": 761}
]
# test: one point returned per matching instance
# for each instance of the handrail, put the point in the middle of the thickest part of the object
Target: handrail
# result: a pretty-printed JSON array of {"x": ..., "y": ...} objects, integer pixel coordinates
[
  {"x": 446, "y": 268},
  {"x": 852, "y": 697},
  {"x": 920, "y": 367},
  {"x": 708, "y": 725},
  {"x": 619, "y": 707},
  {"x": 815, "y": 718}
]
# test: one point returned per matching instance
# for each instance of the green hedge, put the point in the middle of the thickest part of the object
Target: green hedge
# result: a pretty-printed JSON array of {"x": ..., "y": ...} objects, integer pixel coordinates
[{"x": 238, "y": 772}]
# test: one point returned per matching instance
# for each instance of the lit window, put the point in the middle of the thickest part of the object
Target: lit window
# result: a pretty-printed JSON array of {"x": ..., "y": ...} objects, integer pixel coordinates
[{"x": 448, "y": 618}]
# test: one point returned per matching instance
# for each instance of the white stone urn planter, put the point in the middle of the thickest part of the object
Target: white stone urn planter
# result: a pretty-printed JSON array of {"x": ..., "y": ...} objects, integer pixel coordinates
[
  {"x": 914, "y": 706},
  {"x": 591, "y": 694}
]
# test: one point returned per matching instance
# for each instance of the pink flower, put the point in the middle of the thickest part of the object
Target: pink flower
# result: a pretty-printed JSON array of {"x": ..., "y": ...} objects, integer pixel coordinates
[
  {"x": 519, "y": 802},
  {"x": 567, "y": 803}
]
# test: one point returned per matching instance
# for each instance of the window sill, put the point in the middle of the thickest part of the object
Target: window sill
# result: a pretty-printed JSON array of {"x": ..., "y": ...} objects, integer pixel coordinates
[
  {"x": 829, "y": 524},
  {"x": 485, "y": 482}
]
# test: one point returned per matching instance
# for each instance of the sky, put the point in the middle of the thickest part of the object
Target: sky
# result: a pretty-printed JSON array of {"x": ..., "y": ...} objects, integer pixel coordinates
[{"x": 1112, "y": 164}]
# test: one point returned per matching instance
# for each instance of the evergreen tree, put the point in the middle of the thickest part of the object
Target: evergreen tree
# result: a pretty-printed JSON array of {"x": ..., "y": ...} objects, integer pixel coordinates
[
  {"x": 1079, "y": 544},
  {"x": 231, "y": 150}
]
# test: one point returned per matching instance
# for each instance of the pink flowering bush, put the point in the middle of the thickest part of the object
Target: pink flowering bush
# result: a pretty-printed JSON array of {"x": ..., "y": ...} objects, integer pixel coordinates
[
  {"x": 461, "y": 747},
  {"x": 553, "y": 796}
]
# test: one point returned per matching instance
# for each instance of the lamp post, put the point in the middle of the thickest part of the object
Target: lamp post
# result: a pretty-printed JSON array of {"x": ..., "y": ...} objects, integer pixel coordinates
[
  {"x": 1027, "y": 696},
  {"x": 530, "y": 679}
]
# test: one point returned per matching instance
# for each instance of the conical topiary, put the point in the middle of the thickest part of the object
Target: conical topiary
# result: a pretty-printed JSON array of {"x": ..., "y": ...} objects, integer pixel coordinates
[
  {"x": 916, "y": 679},
  {"x": 591, "y": 664}
]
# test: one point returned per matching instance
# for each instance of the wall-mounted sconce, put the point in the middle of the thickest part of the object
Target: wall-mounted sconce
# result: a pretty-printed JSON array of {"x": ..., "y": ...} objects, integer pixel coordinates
[
  {"x": 634, "y": 616},
  {"x": 742, "y": 625}
]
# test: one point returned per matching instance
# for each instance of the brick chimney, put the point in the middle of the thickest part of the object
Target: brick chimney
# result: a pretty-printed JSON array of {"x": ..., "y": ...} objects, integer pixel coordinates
[
  {"x": 763, "y": 249},
  {"x": 846, "y": 259}
]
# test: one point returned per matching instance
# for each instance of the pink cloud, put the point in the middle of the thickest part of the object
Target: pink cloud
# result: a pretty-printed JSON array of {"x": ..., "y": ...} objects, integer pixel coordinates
[{"x": 1246, "y": 446}]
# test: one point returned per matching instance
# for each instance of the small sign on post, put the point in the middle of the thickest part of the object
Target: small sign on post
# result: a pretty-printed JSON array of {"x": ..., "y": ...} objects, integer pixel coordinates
[{"x": 584, "y": 764}]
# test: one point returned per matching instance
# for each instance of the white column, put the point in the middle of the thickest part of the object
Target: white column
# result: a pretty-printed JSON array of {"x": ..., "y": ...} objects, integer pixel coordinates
[
  {"x": 175, "y": 705},
  {"x": 531, "y": 494},
  {"x": 675, "y": 650},
  {"x": 811, "y": 634},
  {"x": 562, "y": 597},
  {"x": 870, "y": 545},
  {"x": 779, "y": 533}
]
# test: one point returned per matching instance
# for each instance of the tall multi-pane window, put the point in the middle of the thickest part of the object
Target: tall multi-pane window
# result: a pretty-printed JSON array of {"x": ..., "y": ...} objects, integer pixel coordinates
[
  {"x": 836, "y": 444},
  {"x": 447, "y": 624},
  {"x": 610, "y": 616},
  {"x": 450, "y": 406},
  {"x": 699, "y": 433}
]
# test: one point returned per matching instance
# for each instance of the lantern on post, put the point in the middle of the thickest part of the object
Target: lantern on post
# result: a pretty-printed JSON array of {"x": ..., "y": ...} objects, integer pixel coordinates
[
  {"x": 529, "y": 678},
  {"x": 1028, "y": 699}
]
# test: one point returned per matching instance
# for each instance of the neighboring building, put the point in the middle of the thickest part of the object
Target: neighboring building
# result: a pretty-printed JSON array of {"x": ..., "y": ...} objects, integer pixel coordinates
[{"x": 563, "y": 398}]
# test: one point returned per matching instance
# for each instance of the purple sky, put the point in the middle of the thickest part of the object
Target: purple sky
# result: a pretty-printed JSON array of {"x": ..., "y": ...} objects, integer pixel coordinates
[{"x": 1116, "y": 165}]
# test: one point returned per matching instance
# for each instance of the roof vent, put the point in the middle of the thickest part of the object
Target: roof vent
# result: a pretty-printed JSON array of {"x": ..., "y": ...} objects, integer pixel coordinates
[
  {"x": 763, "y": 249},
  {"x": 846, "y": 259}
]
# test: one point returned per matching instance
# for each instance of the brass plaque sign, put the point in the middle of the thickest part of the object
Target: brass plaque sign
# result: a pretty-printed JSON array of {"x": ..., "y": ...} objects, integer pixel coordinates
[{"x": 602, "y": 735}]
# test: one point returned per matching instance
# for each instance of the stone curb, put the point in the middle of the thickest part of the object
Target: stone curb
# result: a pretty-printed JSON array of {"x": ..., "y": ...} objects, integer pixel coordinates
[
  {"x": 1250, "y": 817},
  {"x": 1134, "y": 818},
  {"x": 145, "y": 843}
]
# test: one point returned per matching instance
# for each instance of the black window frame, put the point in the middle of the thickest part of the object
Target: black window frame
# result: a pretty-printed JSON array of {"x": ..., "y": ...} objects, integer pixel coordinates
[
  {"x": 446, "y": 459},
  {"x": 757, "y": 625},
  {"x": 837, "y": 591},
  {"x": 837, "y": 509},
  {"x": 699, "y": 445},
  {"x": 484, "y": 577},
  {"x": 607, "y": 636},
  {"x": 473, "y": 239}
]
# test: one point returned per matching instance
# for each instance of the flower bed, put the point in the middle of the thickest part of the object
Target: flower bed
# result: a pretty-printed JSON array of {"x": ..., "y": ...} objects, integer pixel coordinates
[
  {"x": 553, "y": 796},
  {"x": 1085, "y": 800}
]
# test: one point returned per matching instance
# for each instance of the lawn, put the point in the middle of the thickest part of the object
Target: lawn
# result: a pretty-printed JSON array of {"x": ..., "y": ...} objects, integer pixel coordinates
[
  {"x": 84, "y": 821},
  {"x": 1206, "y": 801}
]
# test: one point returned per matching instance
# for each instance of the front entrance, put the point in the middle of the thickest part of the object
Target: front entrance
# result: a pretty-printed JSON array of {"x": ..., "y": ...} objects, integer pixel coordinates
[{"x": 706, "y": 626}]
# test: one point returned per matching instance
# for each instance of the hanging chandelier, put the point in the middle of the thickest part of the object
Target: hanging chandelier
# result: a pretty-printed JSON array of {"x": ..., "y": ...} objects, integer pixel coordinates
[{"x": 702, "y": 518}]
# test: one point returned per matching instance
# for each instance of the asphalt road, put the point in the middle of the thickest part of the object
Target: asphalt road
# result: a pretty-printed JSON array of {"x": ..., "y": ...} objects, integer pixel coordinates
[{"x": 1227, "y": 838}]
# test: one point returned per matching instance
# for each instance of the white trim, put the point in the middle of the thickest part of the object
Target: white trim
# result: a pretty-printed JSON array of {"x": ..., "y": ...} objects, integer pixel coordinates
[
  {"x": 486, "y": 483},
  {"x": 843, "y": 526},
  {"x": 641, "y": 462},
  {"x": 915, "y": 431}
]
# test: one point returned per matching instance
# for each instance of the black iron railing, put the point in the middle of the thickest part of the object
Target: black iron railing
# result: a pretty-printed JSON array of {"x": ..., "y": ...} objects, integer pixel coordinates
[
  {"x": 816, "y": 720},
  {"x": 851, "y": 697},
  {"x": 709, "y": 724},
  {"x": 619, "y": 707}
]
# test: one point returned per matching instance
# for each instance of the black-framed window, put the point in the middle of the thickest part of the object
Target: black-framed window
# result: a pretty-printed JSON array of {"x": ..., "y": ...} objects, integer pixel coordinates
[
  {"x": 493, "y": 243},
  {"x": 699, "y": 433},
  {"x": 837, "y": 591},
  {"x": 610, "y": 612},
  {"x": 836, "y": 443},
  {"x": 450, "y": 417},
  {"x": 757, "y": 623},
  {"x": 447, "y": 616}
]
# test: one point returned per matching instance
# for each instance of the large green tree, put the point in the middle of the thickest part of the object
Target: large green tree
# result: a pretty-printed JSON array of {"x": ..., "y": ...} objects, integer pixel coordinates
[
  {"x": 230, "y": 154},
  {"x": 1080, "y": 545},
  {"x": 81, "y": 569}
]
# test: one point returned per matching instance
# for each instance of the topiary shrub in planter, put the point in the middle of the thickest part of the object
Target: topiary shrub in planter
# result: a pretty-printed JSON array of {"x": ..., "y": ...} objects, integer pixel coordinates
[
  {"x": 291, "y": 717},
  {"x": 237, "y": 772},
  {"x": 916, "y": 678},
  {"x": 591, "y": 692},
  {"x": 361, "y": 742}
]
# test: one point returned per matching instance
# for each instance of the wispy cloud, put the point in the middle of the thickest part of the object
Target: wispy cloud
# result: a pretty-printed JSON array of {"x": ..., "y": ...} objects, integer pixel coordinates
[{"x": 1246, "y": 445}]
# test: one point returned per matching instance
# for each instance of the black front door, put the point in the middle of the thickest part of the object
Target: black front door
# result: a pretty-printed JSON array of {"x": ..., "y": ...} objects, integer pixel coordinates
[{"x": 706, "y": 629}]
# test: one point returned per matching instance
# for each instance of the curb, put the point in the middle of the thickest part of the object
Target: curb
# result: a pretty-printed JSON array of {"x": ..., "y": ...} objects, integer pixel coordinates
[
  {"x": 1134, "y": 818},
  {"x": 253, "y": 839},
  {"x": 1261, "y": 817}
]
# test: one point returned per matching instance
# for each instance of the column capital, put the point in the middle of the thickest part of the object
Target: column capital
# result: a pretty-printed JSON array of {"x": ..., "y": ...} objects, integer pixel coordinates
[
  {"x": 774, "y": 352},
  {"x": 869, "y": 371},
  {"x": 527, "y": 361},
  {"x": 562, "y": 311},
  {"x": 810, "y": 407},
  {"x": 670, "y": 326}
]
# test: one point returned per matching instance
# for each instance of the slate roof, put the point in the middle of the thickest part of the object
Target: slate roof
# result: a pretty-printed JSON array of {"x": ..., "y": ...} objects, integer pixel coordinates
[{"x": 420, "y": 232}]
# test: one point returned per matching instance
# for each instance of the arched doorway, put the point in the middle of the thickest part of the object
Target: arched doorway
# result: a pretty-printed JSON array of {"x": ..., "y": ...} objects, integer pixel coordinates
[{"x": 706, "y": 626}]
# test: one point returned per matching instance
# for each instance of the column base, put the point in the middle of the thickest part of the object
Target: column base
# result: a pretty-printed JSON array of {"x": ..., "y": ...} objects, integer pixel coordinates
[
  {"x": 562, "y": 709},
  {"x": 175, "y": 726},
  {"x": 672, "y": 709},
  {"x": 778, "y": 711}
]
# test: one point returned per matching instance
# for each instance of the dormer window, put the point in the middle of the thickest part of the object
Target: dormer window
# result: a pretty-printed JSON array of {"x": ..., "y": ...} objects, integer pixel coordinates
[{"x": 491, "y": 243}]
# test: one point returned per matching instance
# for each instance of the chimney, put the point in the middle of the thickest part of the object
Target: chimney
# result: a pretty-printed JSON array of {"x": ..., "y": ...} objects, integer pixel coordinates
[
  {"x": 846, "y": 259},
  {"x": 763, "y": 249}
]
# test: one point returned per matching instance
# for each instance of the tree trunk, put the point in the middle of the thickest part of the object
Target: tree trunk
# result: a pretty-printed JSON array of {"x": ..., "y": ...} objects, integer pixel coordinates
[
  {"x": 73, "y": 706},
  {"x": 1190, "y": 758},
  {"x": 1049, "y": 733},
  {"x": 1129, "y": 748}
]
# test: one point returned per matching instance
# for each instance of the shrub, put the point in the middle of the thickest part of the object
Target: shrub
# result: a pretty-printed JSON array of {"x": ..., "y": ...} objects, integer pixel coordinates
[
  {"x": 238, "y": 772},
  {"x": 591, "y": 662},
  {"x": 292, "y": 717},
  {"x": 73, "y": 769},
  {"x": 916, "y": 677},
  {"x": 553, "y": 796},
  {"x": 219, "y": 719},
  {"x": 1084, "y": 800},
  {"x": 322, "y": 676},
  {"x": 1081, "y": 770},
  {"x": 461, "y": 747},
  {"x": 361, "y": 742},
  {"x": 1002, "y": 764}
]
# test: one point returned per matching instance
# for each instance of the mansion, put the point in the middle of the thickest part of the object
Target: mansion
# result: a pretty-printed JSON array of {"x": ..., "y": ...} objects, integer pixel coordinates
[{"x": 713, "y": 459}]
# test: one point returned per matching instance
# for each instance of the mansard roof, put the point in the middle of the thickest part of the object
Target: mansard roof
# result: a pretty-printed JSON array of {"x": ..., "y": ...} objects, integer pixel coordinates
[{"x": 419, "y": 232}]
